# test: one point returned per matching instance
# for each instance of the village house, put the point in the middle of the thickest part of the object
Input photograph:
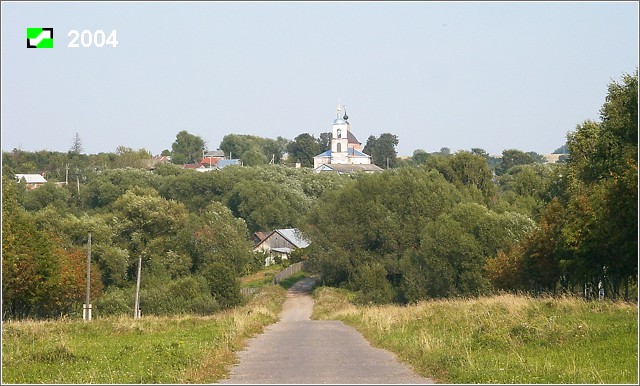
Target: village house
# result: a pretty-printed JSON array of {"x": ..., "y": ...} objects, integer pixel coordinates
[
  {"x": 211, "y": 158},
  {"x": 32, "y": 180},
  {"x": 280, "y": 243}
]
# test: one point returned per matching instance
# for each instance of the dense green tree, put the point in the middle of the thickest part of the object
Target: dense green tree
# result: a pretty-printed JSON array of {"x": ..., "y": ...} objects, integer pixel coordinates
[
  {"x": 455, "y": 248},
  {"x": 130, "y": 158},
  {"x": 420, "y": 156},
  {"x": 602, "y": 173},
  {"x": 223, "y": 284},
  {"x": 466, "y": 171},
  {"x": 372, "y": 285},
  {"x": 103, "y": 189},
  {"x": 221, "y": 237},
  {"x": 382, "y": 150},
  {"x": 325, "y": 141},
  {"x": 266, "y": 205},
  {"x": 237, "y": 145},
  {"x": 513, "y": 157},
  {"x": 47, "y": 194},
  {"x": 187, "y": 148},
  {"x": 374, "y": 218},
  {"x": 253, "y": 157},
  {"x": 564, "y": 149},
  {"x": 525, "y": 188},
  {"x": 194, "y": 189},
  {"x": 142, "y": 219},
  {"x": 303, "y": 148},
  {"x": 480, "y": 152},
  {"x": 29, "y": 266}
]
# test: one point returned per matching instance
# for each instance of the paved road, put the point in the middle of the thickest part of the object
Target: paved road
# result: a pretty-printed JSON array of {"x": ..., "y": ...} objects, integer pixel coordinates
[{"x": 300, "y": 350}]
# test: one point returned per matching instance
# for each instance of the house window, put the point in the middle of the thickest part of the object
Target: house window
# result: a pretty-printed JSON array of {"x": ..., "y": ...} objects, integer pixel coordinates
[
  {"x": 339, "y": 134},
  {"x": 339, "y": 146}
]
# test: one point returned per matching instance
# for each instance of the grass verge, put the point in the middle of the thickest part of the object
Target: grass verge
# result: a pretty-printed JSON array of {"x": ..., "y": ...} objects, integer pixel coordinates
[
  {"x": 179, "y": 349},
  {"x": 502, "y": 339},
  {"x": 262, "y": 278}
]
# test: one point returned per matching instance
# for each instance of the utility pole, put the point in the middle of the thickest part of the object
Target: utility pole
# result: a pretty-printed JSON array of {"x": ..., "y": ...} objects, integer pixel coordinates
[
  {"x": 66, "y": 176},
  {"x": 136, "y": 311},
  {"x": 86, "y": 314}
]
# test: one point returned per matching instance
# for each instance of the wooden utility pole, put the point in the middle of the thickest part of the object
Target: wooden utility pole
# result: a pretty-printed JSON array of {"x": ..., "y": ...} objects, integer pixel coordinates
[
  {"x": 136, "y": 311},
  {"x": 86, "y": 314}
]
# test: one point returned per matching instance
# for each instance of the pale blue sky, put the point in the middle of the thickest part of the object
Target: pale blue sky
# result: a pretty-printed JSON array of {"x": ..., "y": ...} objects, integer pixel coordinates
[{"x": 492, "y": 75}]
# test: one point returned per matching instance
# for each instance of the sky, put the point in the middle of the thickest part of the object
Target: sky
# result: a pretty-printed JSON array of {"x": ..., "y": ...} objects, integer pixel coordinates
[{"x": 462, "y": 75}]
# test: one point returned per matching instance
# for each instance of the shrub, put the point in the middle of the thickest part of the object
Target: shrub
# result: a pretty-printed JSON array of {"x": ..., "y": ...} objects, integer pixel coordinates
[
  {"x": 115, "y": 301},
  {"x": 223, "y": 284},
  {"x": 372, "y": 284}
]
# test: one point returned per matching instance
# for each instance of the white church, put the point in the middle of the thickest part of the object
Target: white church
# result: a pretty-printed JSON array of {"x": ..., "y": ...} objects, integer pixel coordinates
[{"x": 345, "y": 155}]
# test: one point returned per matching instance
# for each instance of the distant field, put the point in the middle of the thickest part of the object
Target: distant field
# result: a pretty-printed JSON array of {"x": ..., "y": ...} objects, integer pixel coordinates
[
  {"x": 180, "y": 349},
  {"x": 502, "y": 339}
]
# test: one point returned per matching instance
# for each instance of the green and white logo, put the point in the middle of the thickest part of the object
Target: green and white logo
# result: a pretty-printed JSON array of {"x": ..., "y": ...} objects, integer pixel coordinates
[{"x": 39, "y": 37}]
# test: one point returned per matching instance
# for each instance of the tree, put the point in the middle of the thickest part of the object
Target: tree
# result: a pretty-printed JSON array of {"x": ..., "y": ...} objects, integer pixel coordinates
[
  {"x": 564, "y": 149},
  {"x": 76, "y": 146},
  {"x": 266, "y": 205},
  {"x": 142, "y": 219},
  {"x": 420, "y": 156},
  {"x": 253, "y": 157},
  {"x": 383, "y": 150},
  {"x": 29, "y": 265},
  {"x": 127, "y": 157},
  {"x": 221, "y": 237},
  {"x": 303, "y": 148},
  {"x": 374, "y": 218},
  {"x": 602, "y": 178},
  {"x": 325, "y": 141},
  {"x": 465, "y": 170},
  {"x": 445, "y": 151},
  {"x": 49, "y": 194},
  {"x": 237, "y": 146},
  {"x": 513, "y": 157},
  {"x": 187, "y": 148},
  {"x": 223, "y": 284}
]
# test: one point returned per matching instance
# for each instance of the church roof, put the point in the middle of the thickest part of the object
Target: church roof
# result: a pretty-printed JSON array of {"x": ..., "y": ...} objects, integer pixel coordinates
[
  {"x": 352, "y": 138},
  {"x": 348, "y": 168},
  {"x": 351, "y": 152}
]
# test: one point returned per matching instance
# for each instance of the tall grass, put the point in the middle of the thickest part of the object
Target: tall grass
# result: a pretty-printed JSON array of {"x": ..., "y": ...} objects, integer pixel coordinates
[
  {"x": 502, "y": 339},
  {"x": 263, "y": 277},
  {"x": 178, "y": 349}
]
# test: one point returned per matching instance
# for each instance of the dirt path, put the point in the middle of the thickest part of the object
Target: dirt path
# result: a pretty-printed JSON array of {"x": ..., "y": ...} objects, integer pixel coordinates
[{"x": 300, "y": 350}]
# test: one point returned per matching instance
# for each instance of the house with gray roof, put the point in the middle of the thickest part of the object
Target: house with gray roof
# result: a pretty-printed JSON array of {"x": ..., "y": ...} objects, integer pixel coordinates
[
  {"x": 32, "y": 180},
  {"x": 281, "y": 242}
]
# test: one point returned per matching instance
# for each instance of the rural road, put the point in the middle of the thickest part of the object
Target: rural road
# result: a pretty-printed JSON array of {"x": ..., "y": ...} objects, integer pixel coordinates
[{"x": 297, "y": 350}]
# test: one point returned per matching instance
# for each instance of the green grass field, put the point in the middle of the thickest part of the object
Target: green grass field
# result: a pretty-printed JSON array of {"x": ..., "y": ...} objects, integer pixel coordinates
[
  {"x": 179, "y": 349},
  {"x": 262, "y": 278},
  {"x": 502, "y": 339}
]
